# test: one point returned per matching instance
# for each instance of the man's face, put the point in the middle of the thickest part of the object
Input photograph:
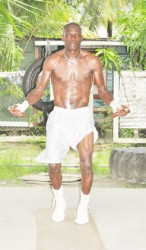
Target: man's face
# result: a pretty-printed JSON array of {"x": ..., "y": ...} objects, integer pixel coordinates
[{"x": 72, "y": 37}]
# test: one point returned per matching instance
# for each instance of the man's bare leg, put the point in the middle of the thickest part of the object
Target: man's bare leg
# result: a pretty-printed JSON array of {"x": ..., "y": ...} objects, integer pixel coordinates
[
  {"x": 55, "y": 175},
  {"x": 85, "y": 149},
  {"x": 59, "y": 201}
]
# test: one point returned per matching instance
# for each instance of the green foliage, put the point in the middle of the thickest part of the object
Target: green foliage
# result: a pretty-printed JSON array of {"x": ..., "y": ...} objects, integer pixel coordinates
[
  {"x": 11, "y": 90},
  {"x": 21, "y": 19},
  {"x": 132, "y": 24},
  {"x": 10, "y": 56},
  {"x": 126, "y": 133},
  {"x": 97, "y": 12},
  {"x": 12, "y": 26},
  {"x": 110, "y": 58},
  {"x": 46, "y": 18},
  {"x": 105, "y": 121}
]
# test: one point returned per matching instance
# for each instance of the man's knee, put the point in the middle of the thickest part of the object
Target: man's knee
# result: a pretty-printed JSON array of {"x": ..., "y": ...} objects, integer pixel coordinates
[
  {"x": 87, "y": 168},
  {"x": 54, "y": 168},
  {"x": 86, "y": 164}
]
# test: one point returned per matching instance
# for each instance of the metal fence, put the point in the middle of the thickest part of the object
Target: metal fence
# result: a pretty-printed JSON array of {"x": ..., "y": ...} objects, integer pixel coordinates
[{"x": 10, "y": 94}]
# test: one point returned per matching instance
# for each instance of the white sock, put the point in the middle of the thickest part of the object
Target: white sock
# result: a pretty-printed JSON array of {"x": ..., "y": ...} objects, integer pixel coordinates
[
  {"x": 82, "y": 210},
  {"x": 58, "y": 192},
  {"x": 85, "y": 197},
  {"x": 59, "y": 205}
]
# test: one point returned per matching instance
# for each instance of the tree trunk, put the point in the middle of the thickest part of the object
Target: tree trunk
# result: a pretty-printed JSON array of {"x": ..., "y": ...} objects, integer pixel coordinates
[{"x": 109, "y": 29}]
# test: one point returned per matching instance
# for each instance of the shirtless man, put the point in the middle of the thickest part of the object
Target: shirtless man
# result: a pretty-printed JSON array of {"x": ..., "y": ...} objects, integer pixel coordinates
[{"x": 70, "y": 124}]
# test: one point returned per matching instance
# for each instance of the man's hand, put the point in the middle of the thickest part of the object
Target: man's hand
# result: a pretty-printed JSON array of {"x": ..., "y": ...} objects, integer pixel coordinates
[
  {"x": 18, "y": 109},
  {"x": 121, "y": 111},
  {"x": 14, "y": 110}
]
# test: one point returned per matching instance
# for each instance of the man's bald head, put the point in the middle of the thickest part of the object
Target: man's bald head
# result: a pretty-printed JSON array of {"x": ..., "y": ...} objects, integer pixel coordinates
[{"x": 72, "y": 24}]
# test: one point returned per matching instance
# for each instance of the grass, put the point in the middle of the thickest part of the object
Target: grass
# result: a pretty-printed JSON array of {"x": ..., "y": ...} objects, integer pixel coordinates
[
  {"x": 18, "y": 154},
  {"x": 17, "y": 159},
  {"x": 101, "y": 162},
  {"x": 13, "y": 173}
]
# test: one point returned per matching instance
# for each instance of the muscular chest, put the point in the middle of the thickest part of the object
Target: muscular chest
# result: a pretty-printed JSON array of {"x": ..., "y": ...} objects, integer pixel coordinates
[{"x": 66, "y": 72}]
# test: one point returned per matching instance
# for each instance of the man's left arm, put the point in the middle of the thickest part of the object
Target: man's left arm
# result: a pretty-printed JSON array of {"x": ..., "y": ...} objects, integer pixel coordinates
[{"x": 104, "y": 93}]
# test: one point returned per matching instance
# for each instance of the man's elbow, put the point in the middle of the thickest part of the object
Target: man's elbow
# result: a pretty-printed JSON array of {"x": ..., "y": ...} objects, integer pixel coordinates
[
  {"x": 106, "y": 96},
  {"x": 35, "y": 95}
]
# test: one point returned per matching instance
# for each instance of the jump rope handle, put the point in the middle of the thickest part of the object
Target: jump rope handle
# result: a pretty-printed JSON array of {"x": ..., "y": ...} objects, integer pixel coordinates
[{"x": 116, "y": 113}]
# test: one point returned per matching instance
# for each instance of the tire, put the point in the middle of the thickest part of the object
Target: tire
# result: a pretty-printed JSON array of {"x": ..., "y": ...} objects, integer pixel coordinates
[
  {"x": 29, "y": 83},
  {"x": 128, "y": 164}
]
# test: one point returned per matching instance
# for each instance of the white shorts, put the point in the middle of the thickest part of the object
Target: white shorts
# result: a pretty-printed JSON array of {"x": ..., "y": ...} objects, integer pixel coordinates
[{"x": 66, "y": 128}]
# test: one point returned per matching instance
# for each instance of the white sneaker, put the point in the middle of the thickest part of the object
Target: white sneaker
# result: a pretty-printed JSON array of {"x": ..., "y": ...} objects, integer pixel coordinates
[
  {"x": 59, "y": 209},
  {"x": 82, "y": 214}
]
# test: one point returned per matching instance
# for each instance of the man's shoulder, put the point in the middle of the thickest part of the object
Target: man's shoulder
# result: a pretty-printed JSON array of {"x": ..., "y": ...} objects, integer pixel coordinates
[
  {"x": 90, "y": 57},
  {"x": 53, "y": 58}
]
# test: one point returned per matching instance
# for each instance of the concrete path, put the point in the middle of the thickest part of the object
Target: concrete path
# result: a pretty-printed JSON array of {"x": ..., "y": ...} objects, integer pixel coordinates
[
  {"x": 66, "y": 235},
  {"x": 119, "y": 214}
]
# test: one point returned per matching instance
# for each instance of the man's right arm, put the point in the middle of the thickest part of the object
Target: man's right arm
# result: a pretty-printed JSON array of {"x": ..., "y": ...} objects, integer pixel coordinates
[{"x": 36, "y": 93}]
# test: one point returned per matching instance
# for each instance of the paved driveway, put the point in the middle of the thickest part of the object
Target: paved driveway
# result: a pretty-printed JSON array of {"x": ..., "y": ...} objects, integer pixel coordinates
[{"x": 119, "y": 214}]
